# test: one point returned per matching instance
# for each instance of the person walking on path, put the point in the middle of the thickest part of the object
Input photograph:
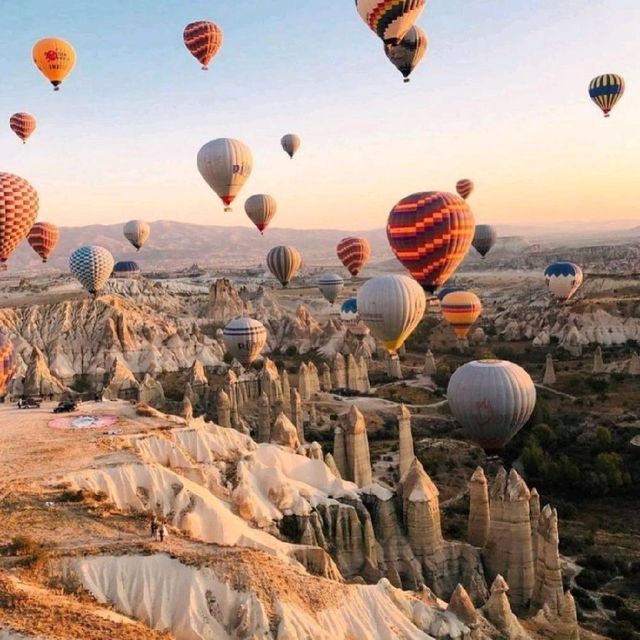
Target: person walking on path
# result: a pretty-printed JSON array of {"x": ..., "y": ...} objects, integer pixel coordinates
[
  {"x": 154, "y": 529},
  {"x": 162, "y": 532}
]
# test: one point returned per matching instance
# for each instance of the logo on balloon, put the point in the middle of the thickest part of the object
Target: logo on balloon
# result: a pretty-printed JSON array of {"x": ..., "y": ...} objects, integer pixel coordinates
[
  {"x": 51, "y": 55},
  {"x": 485, "y": 413}
]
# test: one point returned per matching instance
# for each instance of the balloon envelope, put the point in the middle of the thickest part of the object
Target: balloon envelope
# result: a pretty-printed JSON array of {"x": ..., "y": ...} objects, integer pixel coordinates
[
  {"x": 447, "y": 290},
  {"x": 330, "y": 285},
  {"x": 126, "y": 269},
  {"x": 284, "y": 262},
  {"x": 55, "y": 58},
  {"x": 354, "y": 253},
  {"x": 492, "y": 400},
  {"x": 137, "y": 232},
  {"x": 290, "y": 143},
  {"x": 484, "y": 238},
  {"x": 7, "y": 362},
  {"x": 203, "y": 39},
  {"x": 225, "y": 164},
  {"x": 43, "y": 238},
  {"x": 563, "y": 279},
  {"x": 461, "y": 309},
  {"x": 22, "y": 124},
  {"x": 390, "y": 21},
  {"x": 18, "y": 211},
  {"x": 261, "y": 209},
  {"x": 91, "y": 265},
  {"x": 606, "y": 90},
  {"x": 392, "y": 307},
  {"x": 430, "y": 234},
  {"x": 464, "y": 188},
  {"x": 245, "y": 339},
  {"x": 408, "y": 53},
  {"x": 351, "y": 318}
]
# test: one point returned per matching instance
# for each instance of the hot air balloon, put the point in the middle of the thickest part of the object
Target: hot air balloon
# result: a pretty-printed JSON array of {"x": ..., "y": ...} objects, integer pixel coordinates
[
  {"x": 563, "y": 279},
  {"x": 43, "y": 238},
  {"x": 260, "y": 209},
  {"x": 18, "y": 211},
  {"x": 446, "y": 291},
  {"x": 284, "y": 263},
  {"x": 245, "y": 339},
  {"x": 351, "y": 318},
  {"x": 461, "y": 309},
  {"x": 290, "y": 143},
  {"x": 606, "y": 90},
  {"x": 203, "y": 39},
  {"x": 7, "y": 362},
  {"x": 390, "y": 20},
  {"x": 225, "y": 164},
  {"x": 126, "y": 269},
  {"x": 464, "y": 188},
  {"x": 484, "y": 239},
  {"x": 55, "y": 58},
  {"x": 354, "y": 254},
  {"x": 91, "y": 266},
  {"x": 23, "y": 125},
  {"x": 430, "y": 234},
  {"x": 408, "y": 53},
  {"x": 492, "y": 400},
  {"x": 330, "y": 285},
  {"x": 137, "y": 232},
  {"x": 392, "y": 307}
]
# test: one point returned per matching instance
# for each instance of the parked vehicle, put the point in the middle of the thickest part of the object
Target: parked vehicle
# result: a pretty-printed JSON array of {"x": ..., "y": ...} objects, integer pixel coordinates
[
  {"x": 29, "y": 403},
  {"x": 66, "y": 406}
]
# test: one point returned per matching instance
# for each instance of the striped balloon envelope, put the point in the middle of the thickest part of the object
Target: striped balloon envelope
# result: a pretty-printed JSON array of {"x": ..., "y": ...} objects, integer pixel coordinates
[
  {"x": 43, "y": 238},
  {"x": 245, "y": 339},
  {"x": 23, "y": 125},
  {"x": 126, "y": 269},
  {"x": 330, "y": 285},
  {"x": 354, "y": 254},
  {"x": 92, "y": 266},
  {"x": 390, "y": 19},
  {"x": 464, "y": 188},
  {"x": 7, "y": 362},
  {"x": 461, "y": 309},
  {"x": 563, "y": 279},
  {"x": 203, "y": 39},
  {"x": 444, "y": 291},
  {"x": 484, "y": 238},
  {"x": 606, "y": 90},
  {"x": 430, "y": 233},
  {"x": 284, "y": 263},
  {"x": 260, "y": 209},
  {"x": 408, "y": 53},
  {"x": 18, "y": 211}
]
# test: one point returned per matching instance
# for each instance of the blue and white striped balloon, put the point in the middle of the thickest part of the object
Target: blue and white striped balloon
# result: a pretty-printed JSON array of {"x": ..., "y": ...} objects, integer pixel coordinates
[
  {"x": 330, "y": 285},
  {"x": 92, "y": 266},
  {"x": 563, "y": 279}
]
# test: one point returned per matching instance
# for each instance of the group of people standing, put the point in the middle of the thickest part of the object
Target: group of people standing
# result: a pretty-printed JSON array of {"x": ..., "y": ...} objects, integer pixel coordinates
[{"x": 158, "y": 530}]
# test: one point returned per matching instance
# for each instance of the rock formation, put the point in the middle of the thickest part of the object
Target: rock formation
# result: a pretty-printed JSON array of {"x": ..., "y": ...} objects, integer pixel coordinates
[
  {"x": 479, "y": 519},
  {"x": 634, "y": 365},
  {"x": 223, "y": 409},
  {"x": 284, "y": 432},
  {"x": 340, "y": 451},
  {"x": 286, "y": 392},
  {"x": 313, "y": 415},
  {"x": 315, "y": 451},
  {"x": 548, "y": 589},
  {"x": 566, "y": 627},
  {"x": 296, "y": 414},
  {"x": 151, "y": 392},
  {"x": 498, "y": 611},
  {"x": 549, "y": 372},
  {"x": 405, "y": 440},
  {"x": 224, "y": 303},
  {"x": 429, "y": 364},
  {"x": 196, "y": 376},
  {"x": 331, "y": 463},
  {"x": 122, "y": 383},
  {"x": 364, "y": 385},
  {"x": 598, "y": 362},
  {"x": 534, "y": 513},
  {"x": 314, "y": 379},
  {"x": 339, "y": 373},
  {"x": 38, "y": 380},
  {"x": 325, "y": 377},
  {"x": 461, "y": 606},
  {"x": 187, "y": 409},
  {"x": 304, "y": 382},
  {"x": 354, "y": 464},
  {"x": 509, "y": 551},
  {"x": 394, "y": 370},
  {"x": 352, "y": 373},
  {"x": 264, "y": 418}
]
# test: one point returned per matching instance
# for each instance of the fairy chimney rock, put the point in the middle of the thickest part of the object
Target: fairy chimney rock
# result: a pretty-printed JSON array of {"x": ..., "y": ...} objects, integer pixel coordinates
[
  {"x": 356, "y": 448},
  {"x": 479, "y": 515},
  {"x": 429, "y": 364},
  {"x": 339, "y": 372},
  {"x": 462, "y": 607},
  {"x": 284, "y": 432},
  {"x": 405, "y": 440},
  {"x": 223, "y": 409},
  {"x": 549, "y": 372}
]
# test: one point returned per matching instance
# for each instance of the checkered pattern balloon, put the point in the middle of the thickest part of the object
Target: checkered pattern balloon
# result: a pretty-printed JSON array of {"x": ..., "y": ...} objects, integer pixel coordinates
[
  {"x": 43, "y": 238},
  {"x": 203, "y": 39},
  {"x": 23, "y": 125},
  {"x": 7, "y": 362},
  {"x": 18, "y": 211},
  {"x": 92, "y": 266}
]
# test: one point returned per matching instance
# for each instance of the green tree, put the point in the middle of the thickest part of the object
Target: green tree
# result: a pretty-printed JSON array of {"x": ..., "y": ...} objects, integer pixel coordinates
[
  {"x": 545, "y": 435},
  {"x": 604, "y": 438}
]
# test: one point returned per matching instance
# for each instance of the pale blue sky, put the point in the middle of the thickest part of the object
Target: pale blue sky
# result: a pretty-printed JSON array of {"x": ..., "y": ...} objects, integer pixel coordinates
[{"x": 501, "y": 98}]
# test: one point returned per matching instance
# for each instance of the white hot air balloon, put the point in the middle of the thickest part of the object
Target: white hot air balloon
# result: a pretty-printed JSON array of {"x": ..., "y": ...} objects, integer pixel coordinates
[
  {"x": 392, "y": 307},
  {"x": 330, "y": 285},
  {"x": 245, "y": 339},
  {"x": 492, "y": 400},
  {"x": 260, "y": 209},
  {"x": 225, "y": 164},
  {"x": 563, "y": 279},
  {"x": 137, "y": 232},
  {"x": 290, "y": 143}
]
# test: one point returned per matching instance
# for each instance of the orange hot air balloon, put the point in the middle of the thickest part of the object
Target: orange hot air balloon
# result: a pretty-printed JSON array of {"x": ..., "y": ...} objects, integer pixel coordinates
[
  {"x": 43, "y": 238},
  {"x": 23, "y": 125},
  {"x": 430, "y": 234},
  {"x": 18, "y": 211},
  {"x": 464, "y": 188},
  {"x": 203, "y": 39},
  {"x": 55, "y": 58},
  {"x": 461, "y": 309},
  {"x": 354, "y": 253}
]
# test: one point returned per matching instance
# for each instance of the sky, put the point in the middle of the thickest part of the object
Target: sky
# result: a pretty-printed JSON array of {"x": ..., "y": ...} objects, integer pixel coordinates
[{"x": 501, "y": 98}]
